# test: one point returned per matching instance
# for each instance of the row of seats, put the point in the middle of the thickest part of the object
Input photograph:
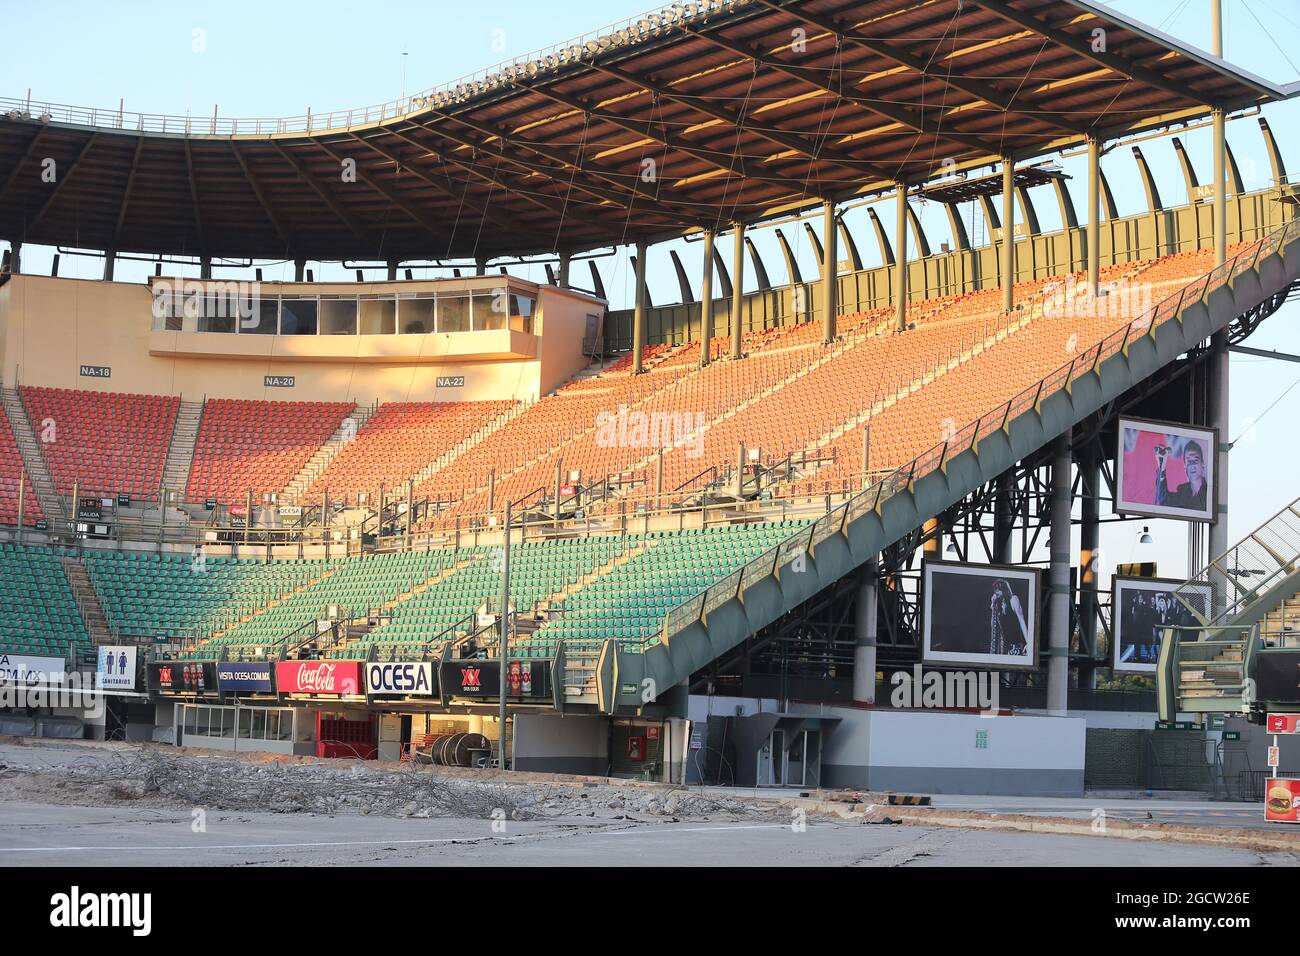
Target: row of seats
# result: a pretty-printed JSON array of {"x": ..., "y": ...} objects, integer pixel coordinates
[
  {"x": 40, "y": 613},
  {"x": 257, "y": 446}
]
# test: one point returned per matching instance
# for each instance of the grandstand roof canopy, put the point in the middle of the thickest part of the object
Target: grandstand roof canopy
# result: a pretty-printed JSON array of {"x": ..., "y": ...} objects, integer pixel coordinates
[{"x": 697, "y": 115}]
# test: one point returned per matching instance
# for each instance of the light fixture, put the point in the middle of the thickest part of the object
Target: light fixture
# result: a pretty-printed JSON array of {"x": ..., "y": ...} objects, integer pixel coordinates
[{"x": 1145, "y": 536}]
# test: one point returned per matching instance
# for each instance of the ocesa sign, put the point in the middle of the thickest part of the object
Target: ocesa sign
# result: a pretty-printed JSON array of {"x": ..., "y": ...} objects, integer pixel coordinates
[{"x": 400, "y": 678}]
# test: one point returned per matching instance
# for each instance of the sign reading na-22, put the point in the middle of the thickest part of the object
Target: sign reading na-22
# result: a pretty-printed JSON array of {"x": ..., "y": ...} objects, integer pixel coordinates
[{"x": 400, "y": 678}]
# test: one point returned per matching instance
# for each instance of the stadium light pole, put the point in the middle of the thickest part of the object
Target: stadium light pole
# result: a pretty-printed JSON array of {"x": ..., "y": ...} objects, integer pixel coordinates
[
  {"x": 706, "y": 299},
  {"x": 830, "y": 270},
  {"x": 638, "y": 314},
  {"x": 1220, "y": 378},
  {"x": 1008, "y": 233},
  {"x": 737, "y": 293},
  {"x": 503, "y": 641},
  {"x": 900, "y": 259}
]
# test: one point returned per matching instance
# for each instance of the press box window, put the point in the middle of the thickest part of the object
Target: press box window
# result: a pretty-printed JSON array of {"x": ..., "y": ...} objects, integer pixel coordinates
[
  {"x": 490, "y": 310},
  {"x": 338, "y": 317},
  {"x": 217, "y": 314},
  {"x": 298, "y": 316},
  {"x": 265, "y": 318},
  {"x": 378, "y": 316},
  {"x": 453, "y": 313},
  {"x": 415, "y": 316}
]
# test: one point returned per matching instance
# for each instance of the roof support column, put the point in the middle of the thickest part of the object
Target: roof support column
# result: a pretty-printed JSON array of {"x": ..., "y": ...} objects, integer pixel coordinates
[
  {"x": 15, "y": 256},
  {"x": 900, "y": 260},
  {"x": 563, "y": 279},
  {"x": 706, "y": 300},
  {"x": 1094, "y": 215},
  {"x": 1220, "y": 378},
  {"x": 299, "y": 269},
  {"x": 1008, "y": 233},
  {"x": 638, "y": 313},
  {"x": 110, "y": 262},
  {"x": 737, "y": 282},
  {"x": 205, "y": 267},
  {"x": 830, "y": 280},
  {"x": 392, "y": 270}
]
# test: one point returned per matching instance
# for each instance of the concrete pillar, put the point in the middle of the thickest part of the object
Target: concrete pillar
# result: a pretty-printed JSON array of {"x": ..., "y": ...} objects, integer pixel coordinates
[
  {"x": 1094, "y": 215},
  {"x": 638, "y": 313},
  {"x": 475, "y": 724},
  {"x": 1008, "y": 233},
  {"x": 480, "y": 266},
  {"x": 933, "y": 545},
  {"x": 1058, "y": 616},
  {"x": 392, "y": 270},
  {"x": 205, "y": 267},
  {"x": 737, "y": 284},
  {"x": 830, "y": 281},
  {"x": 299, "y": 269},
  {"x": 706, "y": 299},
  {"x": 563, "y": 279},
  {"x": 110, "y": 263},
  {"x": 865, "y": 632},
  {"x": 1089, "y": 536}
]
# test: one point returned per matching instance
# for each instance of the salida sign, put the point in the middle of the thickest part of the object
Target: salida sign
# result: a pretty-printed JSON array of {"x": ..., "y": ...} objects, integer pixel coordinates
[{"x": 331, "y": 678}]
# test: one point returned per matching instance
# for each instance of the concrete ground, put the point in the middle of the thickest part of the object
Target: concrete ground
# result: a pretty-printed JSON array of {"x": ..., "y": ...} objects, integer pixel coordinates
[
  {"x": 44, "y": 835},
  {"x": 69, "y": 804}
]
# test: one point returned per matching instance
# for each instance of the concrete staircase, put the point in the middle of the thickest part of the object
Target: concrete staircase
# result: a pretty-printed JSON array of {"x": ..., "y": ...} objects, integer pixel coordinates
[
  {"x": 348, "y": 429},
  {"x": 33, "y": 461},
  {"x": 180, "y": 452},
  {"x": 83, "y": 591}
]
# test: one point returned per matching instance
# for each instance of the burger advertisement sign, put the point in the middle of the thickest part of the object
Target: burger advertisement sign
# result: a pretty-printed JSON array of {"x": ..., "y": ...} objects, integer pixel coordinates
[{"x": 1282, "y": 800}]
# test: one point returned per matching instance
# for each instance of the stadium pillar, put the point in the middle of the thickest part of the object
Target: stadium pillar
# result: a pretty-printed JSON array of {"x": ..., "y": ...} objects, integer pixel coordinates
[
  {"x": 1089, "y": 532},
  {"x": 900, "y": 260},
  {"x": 15, "y": 256},
  {"x": 480, "y": 266},
  {"x": 932, "y": 546},
  {"x": 563, "y": 279},
  {"x": 706, "y": 299},
  {"x": 1058, "y": 621},
  {"x": 1008, "y": 233},
  {"x": 1219, "y": 362},
  {"x": 1094, "y": 215},
  {"x": 110, "y": 261},
  {"x": 638, "y": 314},
  {"x": 737, "y": 295},
  {"x": 299, "y": 269},
  {"x": 864, "y": 645},
  {"x": 205, "y": 267},
  {"x": 830, "y": 279},
  {"x": 392, "y": 270}
]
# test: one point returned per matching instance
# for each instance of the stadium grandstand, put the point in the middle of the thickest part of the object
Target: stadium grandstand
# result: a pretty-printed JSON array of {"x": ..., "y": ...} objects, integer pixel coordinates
[{"x": 714, "y": 534}]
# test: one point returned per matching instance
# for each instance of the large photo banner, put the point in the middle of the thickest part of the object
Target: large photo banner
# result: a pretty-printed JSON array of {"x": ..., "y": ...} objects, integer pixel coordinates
[
  {"x": 1166, "y": 470},
  {"x": 1141, "y": 610},
  {"x": 980, "y": 615}
]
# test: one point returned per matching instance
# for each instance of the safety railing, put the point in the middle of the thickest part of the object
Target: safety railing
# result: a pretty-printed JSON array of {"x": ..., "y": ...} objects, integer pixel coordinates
[
  {"x": 968, "y": 438},
  {"x": 1247, "y": 571},
  {"x": 530, "y": 67}
]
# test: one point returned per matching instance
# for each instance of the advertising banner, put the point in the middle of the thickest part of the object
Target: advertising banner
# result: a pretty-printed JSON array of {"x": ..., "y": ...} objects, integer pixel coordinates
[
  {"x": 525, "y": 680},
  {"x": 1277, "y": 675},
  {"x": 24, "y": 669},
  {"x": 327, "y": 678},
  {"x": 980, "y": 615},
  {"x": 1284, "y": 723},
  {"x": 1282, "y": 800},
  {"x": 400, "y": 679},
  {"x": 244, "y": 678},
  {"x": 183, "y": 677}
]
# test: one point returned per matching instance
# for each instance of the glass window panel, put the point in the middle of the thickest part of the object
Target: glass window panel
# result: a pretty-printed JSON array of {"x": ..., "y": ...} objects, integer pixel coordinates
[
  {"x": 453, "y": 313},
  {"x": 378, "y": 316},
  {"x": 217, "y": 315},
  {"x": 297, "y": 316},
  {"x": 265, "y": 318},
  {"x": 415, "y": 316},
  {"x": 338, "y": 317},
  {"x": 490, "y": 309}
]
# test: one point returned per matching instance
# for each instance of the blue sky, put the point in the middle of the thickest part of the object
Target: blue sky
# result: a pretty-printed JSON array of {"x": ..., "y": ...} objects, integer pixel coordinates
[{"x": 273, "y": 59}]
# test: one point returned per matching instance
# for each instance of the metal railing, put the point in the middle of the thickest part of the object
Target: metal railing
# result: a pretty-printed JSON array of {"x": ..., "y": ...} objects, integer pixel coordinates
[
  {"x": 967, "y": 439},
  {"x": 532, "y": 66},
  {"x": 1246, "y": 571}
]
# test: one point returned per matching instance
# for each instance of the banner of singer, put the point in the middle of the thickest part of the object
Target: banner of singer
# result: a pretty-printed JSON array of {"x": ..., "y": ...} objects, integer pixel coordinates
[
  {"x": 1141, "y": 609},
  {"x": 980, "y": 615},
  {"x": 1166, "y": 470}
]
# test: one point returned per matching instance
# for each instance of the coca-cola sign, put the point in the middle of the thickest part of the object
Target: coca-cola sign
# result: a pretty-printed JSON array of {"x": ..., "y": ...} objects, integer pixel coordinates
[{"x": 329, "y": 678}]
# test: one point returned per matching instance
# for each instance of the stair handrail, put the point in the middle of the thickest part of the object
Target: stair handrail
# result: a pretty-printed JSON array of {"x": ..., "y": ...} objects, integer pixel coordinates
[{"x": 934, "y": 459}]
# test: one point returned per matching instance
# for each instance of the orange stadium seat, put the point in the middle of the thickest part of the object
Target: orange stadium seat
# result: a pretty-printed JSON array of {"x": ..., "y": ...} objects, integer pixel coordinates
[
  {"x": 257, "y": 446},
  {"x": 107, "y": 442}
]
